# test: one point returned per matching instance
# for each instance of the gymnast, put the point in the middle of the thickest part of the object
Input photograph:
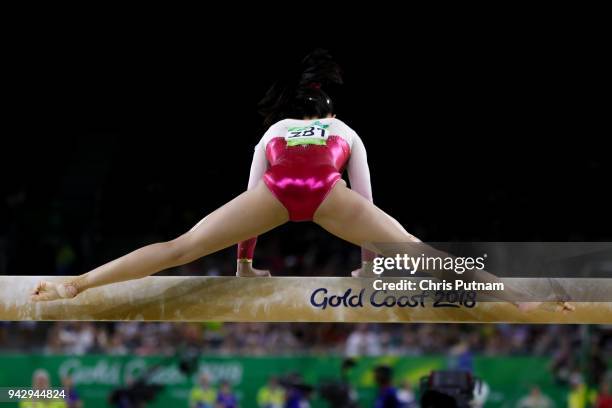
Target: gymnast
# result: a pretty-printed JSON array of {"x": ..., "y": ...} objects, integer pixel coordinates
[{"x": 296, "y": 175}]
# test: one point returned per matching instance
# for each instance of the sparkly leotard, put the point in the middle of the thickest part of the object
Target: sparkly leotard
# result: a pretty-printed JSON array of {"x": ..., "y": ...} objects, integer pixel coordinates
[
  {"x": 300, "y": 161},
  {"x": 304, "y": 169}
]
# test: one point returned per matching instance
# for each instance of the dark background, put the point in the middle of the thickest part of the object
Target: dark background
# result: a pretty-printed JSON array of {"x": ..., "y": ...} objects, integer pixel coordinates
[{"x": 110, "y": 144}]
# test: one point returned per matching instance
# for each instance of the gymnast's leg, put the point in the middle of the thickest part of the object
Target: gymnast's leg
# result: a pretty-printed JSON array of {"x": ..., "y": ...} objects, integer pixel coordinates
[
  {"x": 250, "y": 214},
  {"x": 349, "y": 216}
]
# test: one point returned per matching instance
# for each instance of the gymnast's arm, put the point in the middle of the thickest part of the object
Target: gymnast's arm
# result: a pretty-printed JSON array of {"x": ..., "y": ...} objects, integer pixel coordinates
[
  {"x": 359, "y": 178},
  {"x": 246, "y": 249}
]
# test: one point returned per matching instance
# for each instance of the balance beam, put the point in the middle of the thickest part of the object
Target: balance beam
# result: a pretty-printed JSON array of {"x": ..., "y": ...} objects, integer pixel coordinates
[{"x": 279, "y": 299}]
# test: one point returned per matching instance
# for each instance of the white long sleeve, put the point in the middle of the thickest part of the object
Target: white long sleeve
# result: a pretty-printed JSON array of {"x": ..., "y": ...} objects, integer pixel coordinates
[
  {"x": 358, "y": 169},
  {"x": 259, "y": 165}
]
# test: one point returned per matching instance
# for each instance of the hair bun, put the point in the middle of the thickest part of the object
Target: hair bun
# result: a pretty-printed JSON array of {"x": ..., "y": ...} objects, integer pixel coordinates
[
  {"x": 319, "y": 67},
  {"x": 301, "y": 91}
]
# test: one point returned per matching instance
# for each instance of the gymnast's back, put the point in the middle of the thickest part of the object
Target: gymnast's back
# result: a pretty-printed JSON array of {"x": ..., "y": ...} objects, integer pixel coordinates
[{"x": 304, "y": 132}]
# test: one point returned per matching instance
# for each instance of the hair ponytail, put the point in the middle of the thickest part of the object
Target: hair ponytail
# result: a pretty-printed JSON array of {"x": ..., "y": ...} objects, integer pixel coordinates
[{"x": 301, "y": 93}]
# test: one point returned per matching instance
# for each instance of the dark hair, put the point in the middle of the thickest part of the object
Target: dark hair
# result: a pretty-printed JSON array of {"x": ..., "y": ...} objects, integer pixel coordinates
[
  {"x": 383, "y": 375},
  {"x": 301, "y": 92}
]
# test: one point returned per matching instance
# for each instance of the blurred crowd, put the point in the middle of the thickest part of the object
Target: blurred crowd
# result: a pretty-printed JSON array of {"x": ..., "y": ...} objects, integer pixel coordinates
[
  {"x": 291, "y": 391},
  {"x": 578, "y": 354},
  {"x": 75, "y": 338}
]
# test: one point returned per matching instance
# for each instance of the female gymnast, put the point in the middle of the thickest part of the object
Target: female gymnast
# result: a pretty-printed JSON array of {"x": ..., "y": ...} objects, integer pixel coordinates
[{"x": 295, "y": 176}]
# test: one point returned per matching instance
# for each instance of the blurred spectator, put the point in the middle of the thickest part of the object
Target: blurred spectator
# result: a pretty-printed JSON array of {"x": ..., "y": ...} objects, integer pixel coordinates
[
  {"x": 604, "y": 398},
  {"x": 363, "y": 342},
  {"x": 579, "y": 396},
  {"x": 461, "y": 357},
  {"x": 406, "y": 396},
  {"x": 72, "y": 397},
  {"x": 225, "y": 397},
  {"x": 535, "y": 399},
  {"x": 41, "y": 381},
  {"x": 387, "y": 395},
  {"x": 75, "y": 338},
  {"x": 203, "y": 395},
  {"x": 297, "y": 398},
  {"x": 481, "y": 395},
  {"x": 117, "y": 346},
  {"x": 297, "y": 392},
  {"x": 271, "y": 395},
  {"x": 563, "y": 362},
  {"x": 597, "y": 366}
]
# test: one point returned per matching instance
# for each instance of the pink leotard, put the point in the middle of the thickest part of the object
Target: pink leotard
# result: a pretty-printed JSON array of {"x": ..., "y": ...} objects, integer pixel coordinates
[
  {"x": 302, "y": 176},
  {"x": 300, "y": 161}
]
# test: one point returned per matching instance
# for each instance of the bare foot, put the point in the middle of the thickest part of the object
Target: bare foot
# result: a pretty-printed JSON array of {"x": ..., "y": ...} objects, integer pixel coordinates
[{"x": 564, "y": 307}]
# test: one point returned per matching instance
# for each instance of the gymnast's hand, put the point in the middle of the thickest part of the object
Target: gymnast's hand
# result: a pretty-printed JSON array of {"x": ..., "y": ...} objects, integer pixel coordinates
[
  {"x": 560, "y": 306},
  {"x": 246, "y": 270},
  {"x": 45, "y": 291}
]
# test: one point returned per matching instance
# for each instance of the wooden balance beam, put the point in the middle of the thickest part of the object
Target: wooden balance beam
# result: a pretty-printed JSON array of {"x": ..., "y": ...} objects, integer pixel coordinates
[{"x": 279, "y": 299}]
